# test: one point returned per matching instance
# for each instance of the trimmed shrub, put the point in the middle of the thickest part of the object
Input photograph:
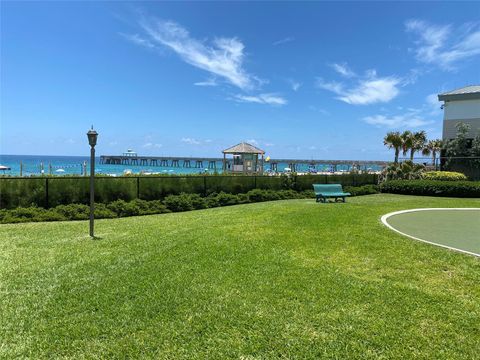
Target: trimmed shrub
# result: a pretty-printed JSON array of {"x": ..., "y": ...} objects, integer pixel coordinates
[
  {"x": 361, "y": 190},
  {"x": 197, "y": 201},
  {"x": 212, "y": 200},
  {"x": 432, "y": 188},
  {"x": 29, "y": 214},
  {"x": 178, "y": 203},
  {"x": 290, "y": 194},
  {"x": 307, "y": 194},
  {"x": 102, "y": 212},
  {"x": 73, "y": 211},
  {"x": 444, "y": 176},
  {"x": 225, "y": 199},
  {"x": 157, "y": 207},
  {"x": 258, "y": 195},
  {"x": 121, "y": 208}
]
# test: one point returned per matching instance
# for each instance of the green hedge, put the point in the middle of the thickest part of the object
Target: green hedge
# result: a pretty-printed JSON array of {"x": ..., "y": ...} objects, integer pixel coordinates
[
  {"x": 152, "y": 188},
  {"x": 121, "y": 208},
  {"x": 361, "y": 190},
  {"x": 171, "y": 203},
  {"x": 22, "y": 192},
  {"x": 443, "y": 176},
  {"x": 432, "y": 188},
  {"x": 53, "y": 191}
]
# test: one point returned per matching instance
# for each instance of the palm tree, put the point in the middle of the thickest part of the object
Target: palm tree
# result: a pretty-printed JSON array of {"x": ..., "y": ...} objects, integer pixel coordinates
[
  {"x": 393, "y": 140},
  {"x": 407, "y": 141},
  {"x": 433, "y": 147},
  {"x": 418, "y": 142}
]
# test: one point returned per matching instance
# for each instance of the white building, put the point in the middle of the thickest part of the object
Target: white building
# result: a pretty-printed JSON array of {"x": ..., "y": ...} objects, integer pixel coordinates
[{"x": 461, "y": 105}]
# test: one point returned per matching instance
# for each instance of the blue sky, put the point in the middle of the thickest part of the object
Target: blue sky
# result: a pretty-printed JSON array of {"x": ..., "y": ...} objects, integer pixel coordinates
[{"x": 300, "y": 80}]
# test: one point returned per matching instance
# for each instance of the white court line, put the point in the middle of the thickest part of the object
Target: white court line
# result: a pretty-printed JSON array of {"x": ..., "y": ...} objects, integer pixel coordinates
[{"x": 386, "y": 216}]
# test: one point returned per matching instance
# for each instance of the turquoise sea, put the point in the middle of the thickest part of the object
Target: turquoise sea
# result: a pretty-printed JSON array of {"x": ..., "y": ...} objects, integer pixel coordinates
[{"x": 73, "y": 165}]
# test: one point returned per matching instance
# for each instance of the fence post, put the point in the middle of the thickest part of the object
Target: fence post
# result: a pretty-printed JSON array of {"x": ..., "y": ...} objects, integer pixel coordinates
[
  {"x": 46, "y": 193},
  {"x": 255, "y": 181},
  {"x": 204, "y": 185},
  {"x": 138, "y": 187}
]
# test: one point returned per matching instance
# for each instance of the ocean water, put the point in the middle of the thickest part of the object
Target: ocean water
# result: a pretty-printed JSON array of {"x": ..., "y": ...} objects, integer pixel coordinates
[{"x": 73, "y": 165}]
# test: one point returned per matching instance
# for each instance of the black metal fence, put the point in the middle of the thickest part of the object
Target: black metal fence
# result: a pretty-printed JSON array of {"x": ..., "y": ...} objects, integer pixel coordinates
[{"x": 52, "y": 191}]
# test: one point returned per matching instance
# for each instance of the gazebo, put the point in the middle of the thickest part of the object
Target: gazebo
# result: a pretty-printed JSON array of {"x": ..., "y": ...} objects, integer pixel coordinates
[{"x": 245, "y": 159}]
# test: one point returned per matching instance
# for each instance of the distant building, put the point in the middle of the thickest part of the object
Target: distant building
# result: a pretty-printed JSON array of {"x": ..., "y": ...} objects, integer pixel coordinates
[
  {"x": 461, "y": 105},
  {"x": 130, "y": 153},
  {"x": 245, "y": 159}
]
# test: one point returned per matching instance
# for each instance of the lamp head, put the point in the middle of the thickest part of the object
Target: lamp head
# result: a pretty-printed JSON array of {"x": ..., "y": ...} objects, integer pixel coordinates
[{"x": 92, "y": 137}]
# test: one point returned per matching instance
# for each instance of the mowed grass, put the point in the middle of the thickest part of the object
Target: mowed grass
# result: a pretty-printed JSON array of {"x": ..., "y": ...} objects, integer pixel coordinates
[{"x": 286, "y": 279}]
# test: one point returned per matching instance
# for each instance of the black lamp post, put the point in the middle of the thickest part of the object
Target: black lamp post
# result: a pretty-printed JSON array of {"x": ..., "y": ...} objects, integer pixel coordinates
[{"x": 92, "y": 140}]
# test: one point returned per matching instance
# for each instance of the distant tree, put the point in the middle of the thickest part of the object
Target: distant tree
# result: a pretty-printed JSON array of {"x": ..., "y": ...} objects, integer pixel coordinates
[
  {"x": 393, "y": 140},
  {"x": 475, "y": 151},
  {"x": 433, "y": 147},
  {"x": 407, "y": 141},
  {"x": 418, "y": 140},
  {"x": 459, "y": 146},
  {"x": 476, "y": 145}
]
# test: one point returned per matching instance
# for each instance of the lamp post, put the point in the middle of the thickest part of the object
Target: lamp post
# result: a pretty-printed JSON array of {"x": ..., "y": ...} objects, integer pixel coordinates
[{"x": 92, "y": 140}]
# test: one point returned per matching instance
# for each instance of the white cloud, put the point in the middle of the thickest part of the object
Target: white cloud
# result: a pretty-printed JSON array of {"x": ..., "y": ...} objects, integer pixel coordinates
[
  {"x": 223, "y": 57},
  {"x": 369, "y": 90},
  {"x": 443, "y": 45},
  {"x": 190, "y": 141},
  {"x": 284, "y": 40},
  {"x": 343, "y": 70},
  {"x": 252, "y": 142},
  {"x": 295, "y": 85},
  {"x": 209, "y": 82},
  {"x": 138, "y": 40},
  {"x": 269, "y": 99},
  {"x": 150, "y": 145},
  {"x": 333, "y": 86},
  {"x": 397, "y": 121},
  {"x": 410, "y": 119}
]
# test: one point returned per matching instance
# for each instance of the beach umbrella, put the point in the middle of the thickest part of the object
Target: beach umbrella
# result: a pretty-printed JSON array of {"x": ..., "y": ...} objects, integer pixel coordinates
[
  {"x": 3, "y": 167},
  {"x": 60, "y": 170}
]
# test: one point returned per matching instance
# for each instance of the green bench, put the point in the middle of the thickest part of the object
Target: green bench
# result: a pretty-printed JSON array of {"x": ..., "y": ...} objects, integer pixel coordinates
[{"x": 325, "y": 191}]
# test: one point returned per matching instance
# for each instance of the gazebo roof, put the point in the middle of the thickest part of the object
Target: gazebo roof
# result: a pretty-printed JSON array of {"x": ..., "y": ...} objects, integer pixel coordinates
[{"x": 243, "y": 148}]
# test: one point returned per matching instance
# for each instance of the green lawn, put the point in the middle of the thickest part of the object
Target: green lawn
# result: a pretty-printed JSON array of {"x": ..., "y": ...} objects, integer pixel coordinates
[{"x": 287, "y": 279}]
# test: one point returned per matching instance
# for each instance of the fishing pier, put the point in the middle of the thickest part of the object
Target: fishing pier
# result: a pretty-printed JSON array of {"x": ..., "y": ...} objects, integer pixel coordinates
[
  {"x": 162, "y": 161},
  {"x": 216, "y": 163}
]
